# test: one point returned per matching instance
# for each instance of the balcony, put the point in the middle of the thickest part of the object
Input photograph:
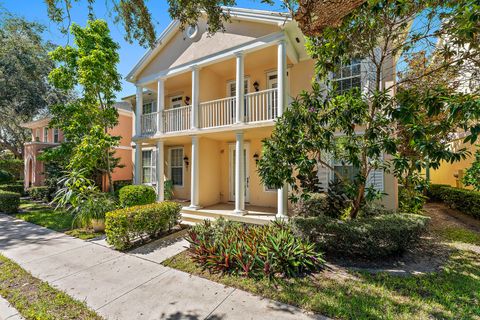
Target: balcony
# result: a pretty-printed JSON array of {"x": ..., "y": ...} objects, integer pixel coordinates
[{"x": 260, "y": 106}]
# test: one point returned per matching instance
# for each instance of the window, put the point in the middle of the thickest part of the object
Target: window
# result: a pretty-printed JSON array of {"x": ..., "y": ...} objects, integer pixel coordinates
[
  {"x": 348, "y": 172},
  {"x": 148, "y": 166},
  {"x": 148, "y": 108},
  {"x": 176, "y": 166},
  {"x": 176, "y": 102},
  {"x": 55, "y": 135},
  {"x": 348, "y": 77},
  {"x": 232, "y": 87},
  {"x": 37, "y": 135},
  {"x": 45, "y": 134}
]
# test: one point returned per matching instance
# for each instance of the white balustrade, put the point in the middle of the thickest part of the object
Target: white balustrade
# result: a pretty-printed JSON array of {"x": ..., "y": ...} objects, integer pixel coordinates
[
  {"x": 149, "y": 123},
  {"x": 177, "y": 119},
  {"x": 261, "y": 105},
  {"x": 217, "y": 113}
]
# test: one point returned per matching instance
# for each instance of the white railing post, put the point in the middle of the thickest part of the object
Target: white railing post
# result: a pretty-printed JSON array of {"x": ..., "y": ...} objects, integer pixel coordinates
[
  {"x": 240, "y": 90},
  {"x": 195, "y": 96},
  {"x": 160, "y": 104},
  {"x": 282, "y": 194},
  {"x": 194, "y": 174}
]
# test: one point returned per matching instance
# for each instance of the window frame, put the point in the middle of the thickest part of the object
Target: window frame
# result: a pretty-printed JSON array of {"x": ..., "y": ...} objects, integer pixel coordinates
[
  {"x": 151, "y": 166},
  {"x": 177, "y": 98},
  {"x": 246, "y": 89},
  {"x": 56, "y": 135},
  {"x": 170, "y": 166},
  {"x": 336, "y": 81},
  {"x": 45, "y": 134}
]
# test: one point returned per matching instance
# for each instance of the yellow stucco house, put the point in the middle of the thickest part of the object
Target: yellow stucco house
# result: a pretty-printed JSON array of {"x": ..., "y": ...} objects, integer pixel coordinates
[{"x": 205, "y": 102}]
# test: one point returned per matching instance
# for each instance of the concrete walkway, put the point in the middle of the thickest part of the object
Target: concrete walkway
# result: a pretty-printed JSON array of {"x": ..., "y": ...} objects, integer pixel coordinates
[
  {"x": 130, "y": 286},
  {"x": 8, "y": 312}
]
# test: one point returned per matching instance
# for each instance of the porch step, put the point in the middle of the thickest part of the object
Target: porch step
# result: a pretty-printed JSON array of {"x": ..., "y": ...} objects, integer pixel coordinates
[{"x": 198, "y": 216}]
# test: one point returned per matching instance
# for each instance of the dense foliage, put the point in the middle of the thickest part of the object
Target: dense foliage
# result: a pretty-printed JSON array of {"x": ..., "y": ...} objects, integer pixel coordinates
[
  {"x": 253, "y": 251},
  {"x": 124, "y": 227},
  {"x": 9, "y": 201},
  {"x": 41, "y": 193},
  {"x": 11, "y": 165},
  {"x": 6, "y": 177},
  {"x": 466, "y": 201},
  {"x": 16, "y": 187},
  {"x": 135, "y": 195},
  {"x": 376, "y": 236},
  {"x": 472, "y": 174}
]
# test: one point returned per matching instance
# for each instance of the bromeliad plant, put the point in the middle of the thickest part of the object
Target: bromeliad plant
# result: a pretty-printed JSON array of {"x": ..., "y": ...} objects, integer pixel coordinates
[{"x": 252, "y": 251}]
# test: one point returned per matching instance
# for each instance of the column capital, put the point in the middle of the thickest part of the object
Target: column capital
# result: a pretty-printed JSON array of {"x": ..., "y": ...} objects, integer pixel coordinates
[
  {"x": 195, "y": 68},
  {"x": 282, "y": 41},
  {"x": 239, "y": 54}
]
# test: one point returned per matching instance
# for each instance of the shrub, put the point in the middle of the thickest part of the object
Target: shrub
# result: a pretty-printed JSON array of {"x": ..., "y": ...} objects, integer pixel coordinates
[
  {"x": 93, "y": 206},
  {"x": 17, "y": 188},
  {"x": 6, "y": 177},
  {"x": 39, "y": 193},
  {"x": 369, "y": 237},
  {"x": 9, "y": 201},
  {"x": 252, "y": 251},
  {"x": 466, "y": 201},
  {"x": 136, "y": 195},
  {"x": 12, "y": 166},
  {"x": 119, "y": 184},
  {"x": 124, "y": 226}
]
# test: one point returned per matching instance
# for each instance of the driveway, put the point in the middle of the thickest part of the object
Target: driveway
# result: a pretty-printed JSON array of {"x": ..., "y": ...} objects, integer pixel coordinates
[{"x": 130, "y": 285}]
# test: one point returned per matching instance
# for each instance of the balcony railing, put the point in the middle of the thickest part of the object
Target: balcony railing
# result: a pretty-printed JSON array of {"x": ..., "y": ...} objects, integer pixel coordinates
[
  {"x": 259, "y": 106},
  {"x": 217, "y": 113},
  {"x": 177, "y": 119}
]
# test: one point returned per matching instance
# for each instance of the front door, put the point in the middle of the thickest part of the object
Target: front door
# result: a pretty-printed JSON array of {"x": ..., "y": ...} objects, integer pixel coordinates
[
  {"x": 272, "y": 82},
  {"x": 232, "y": 153}
]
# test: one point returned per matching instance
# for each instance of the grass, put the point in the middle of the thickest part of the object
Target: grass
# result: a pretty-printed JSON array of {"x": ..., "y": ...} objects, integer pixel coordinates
[
  {"x": 58, "y": 220},
  {"x": 449, "y": 294},
  {"x": 457, "y": 234},
  {"x": 35, "y": 299}
]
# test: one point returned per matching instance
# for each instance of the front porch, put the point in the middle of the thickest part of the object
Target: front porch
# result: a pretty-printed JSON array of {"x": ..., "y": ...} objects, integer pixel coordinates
[{"x": 254, "y": 214}]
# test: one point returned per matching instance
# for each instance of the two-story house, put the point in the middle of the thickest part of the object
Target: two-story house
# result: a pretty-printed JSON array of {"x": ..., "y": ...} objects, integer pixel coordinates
[
  {"x": 211, "y": 101},
  {"x": 44, "y": 137}
]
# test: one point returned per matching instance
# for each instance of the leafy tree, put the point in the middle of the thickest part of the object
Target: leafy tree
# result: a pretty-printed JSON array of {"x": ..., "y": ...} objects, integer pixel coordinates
[
  {"x": 92, "y": 66},
  {"x": 24, "y": 89},
  {"x": 375, "y": 122},
  {"x": 472, "y": 174}
]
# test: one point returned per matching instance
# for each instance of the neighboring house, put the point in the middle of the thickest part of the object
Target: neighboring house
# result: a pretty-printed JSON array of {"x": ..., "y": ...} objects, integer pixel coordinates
[
  {"x": 44, "y": 137},
  {"x": 205, "y": 102}
]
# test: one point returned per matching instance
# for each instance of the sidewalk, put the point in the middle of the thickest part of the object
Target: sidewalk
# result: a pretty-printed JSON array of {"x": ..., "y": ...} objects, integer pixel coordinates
[
  {"x": 7, "y": 312},
  {"x": 130, "y": 286}
]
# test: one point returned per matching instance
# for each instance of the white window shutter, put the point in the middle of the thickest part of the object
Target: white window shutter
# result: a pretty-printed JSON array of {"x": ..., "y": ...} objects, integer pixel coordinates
[
  {"x": 154, "y": 166},
  {"x": 375, "y": 178}
]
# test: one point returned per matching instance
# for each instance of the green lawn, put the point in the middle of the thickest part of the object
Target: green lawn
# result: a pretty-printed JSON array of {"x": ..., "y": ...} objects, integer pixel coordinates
[
  {"x": 35, "y": 299},
  {"x": 57, "y": 220},
  {"x": 451, "y": 293}
]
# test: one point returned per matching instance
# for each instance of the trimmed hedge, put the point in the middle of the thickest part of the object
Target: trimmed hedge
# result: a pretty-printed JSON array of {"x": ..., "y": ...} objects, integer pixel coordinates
[
  {"x": 370, "y": 237},
  {"x": 17, "y": 188},
  {"x": 39, "y": 193},
  {"x": 466, "y": 201},
  {"x": 136, "y": 195},
  {"x": 6, "y": 177},
  {"x": 125, "y": 226},
  {"x": 9, "y": 201}
]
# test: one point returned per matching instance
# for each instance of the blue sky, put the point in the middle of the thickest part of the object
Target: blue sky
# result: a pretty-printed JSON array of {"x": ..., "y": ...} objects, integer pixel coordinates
[{"x": 36, "y": 10}]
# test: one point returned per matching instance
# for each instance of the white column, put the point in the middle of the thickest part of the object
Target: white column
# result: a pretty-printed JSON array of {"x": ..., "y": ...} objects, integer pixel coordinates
[
  {"x": 160, "y": 104},
  {"x": 282, "y": 194},
  {"x": 195, "y": 96},
  {"x": 160, "y": 171},
  {"x": 138, "y": 111},
  {"x": 194, "y": 174},
  {"x": 138, "y": 163},
  {"x": 282, "y": 76},
  {"x": 240, "y": 90},
  {"x": 239, "y": 175}
]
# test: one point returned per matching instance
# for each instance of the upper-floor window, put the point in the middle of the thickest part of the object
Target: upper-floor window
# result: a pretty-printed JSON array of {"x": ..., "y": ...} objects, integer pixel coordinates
[
  {"x": 176, "y": 102},
  {"x": 176, "y": 166},
  {"x": 148, "y": 166},
  {"x": 148, "y": 107},
  {"x": 37, "y": 134},
  {"x": 232, "y": 87},
  {"x": 56, "y": 135},
  {"x": 348, "y": 77},
  {"x": 45, "y": 134}
]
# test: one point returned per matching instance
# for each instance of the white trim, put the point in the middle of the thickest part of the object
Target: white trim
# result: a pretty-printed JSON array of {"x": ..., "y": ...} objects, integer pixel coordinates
[
  {"x": 169, "y": 174},
  {"x": 125, "y": 148},
  {"x": 256, "y": 44},
  {"x": 263, "y": 16}
]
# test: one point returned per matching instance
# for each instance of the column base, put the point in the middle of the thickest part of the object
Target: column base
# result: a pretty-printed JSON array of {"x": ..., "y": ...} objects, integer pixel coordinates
[
  {"x": 240, "y": 212},
  {"x": 281, "y": 216},
  {"x": 194, "y": 207}
]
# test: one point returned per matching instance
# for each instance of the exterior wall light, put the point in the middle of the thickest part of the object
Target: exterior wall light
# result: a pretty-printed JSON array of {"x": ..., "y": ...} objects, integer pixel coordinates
[
  {"x": 185, "y": 160},
  {"x": 256, "y": 157},
  {"x": 256, "y": 85}
]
